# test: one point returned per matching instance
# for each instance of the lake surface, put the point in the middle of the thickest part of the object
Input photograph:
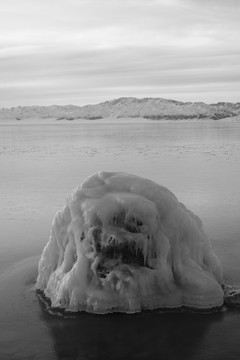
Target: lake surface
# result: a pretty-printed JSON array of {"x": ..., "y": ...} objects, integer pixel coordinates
[{"x": 41, "y": 164}]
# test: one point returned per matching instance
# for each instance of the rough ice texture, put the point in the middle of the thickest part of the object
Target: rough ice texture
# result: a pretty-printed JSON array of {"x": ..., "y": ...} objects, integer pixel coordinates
[
  {"x": 124, "y": 243},
  {"x": 232, "y": 295}
]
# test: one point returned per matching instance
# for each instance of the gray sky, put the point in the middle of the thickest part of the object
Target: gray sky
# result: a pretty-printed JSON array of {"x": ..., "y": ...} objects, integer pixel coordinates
[{"x": 87, "y": 51}]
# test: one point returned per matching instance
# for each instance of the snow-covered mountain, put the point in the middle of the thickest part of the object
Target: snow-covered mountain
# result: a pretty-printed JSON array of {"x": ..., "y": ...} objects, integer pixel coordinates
[{"x": 149, "y": 108}]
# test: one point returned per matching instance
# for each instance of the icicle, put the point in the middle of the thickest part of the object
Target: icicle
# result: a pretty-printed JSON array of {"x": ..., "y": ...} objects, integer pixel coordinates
[{"x": 145, "y": 248}]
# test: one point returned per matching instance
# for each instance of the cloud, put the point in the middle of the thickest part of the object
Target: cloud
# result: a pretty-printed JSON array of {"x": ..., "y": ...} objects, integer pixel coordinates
[{"x": 89, "y": 46}]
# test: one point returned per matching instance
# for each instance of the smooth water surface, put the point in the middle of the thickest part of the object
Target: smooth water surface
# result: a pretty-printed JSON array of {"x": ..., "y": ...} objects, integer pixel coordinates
[{"x": 41, "y": 164}]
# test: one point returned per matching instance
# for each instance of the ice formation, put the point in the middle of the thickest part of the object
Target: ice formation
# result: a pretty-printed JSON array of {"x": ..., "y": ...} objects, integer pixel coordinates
[{"x": 124, "y": 243}]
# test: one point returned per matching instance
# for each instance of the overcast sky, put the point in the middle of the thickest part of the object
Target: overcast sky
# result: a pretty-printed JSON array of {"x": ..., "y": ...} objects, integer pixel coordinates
[{"x": 87, "y": 51}]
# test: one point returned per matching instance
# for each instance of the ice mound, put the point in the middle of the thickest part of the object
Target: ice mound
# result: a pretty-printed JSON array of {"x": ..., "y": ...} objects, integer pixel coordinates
[{"x": 124, "y": 243}]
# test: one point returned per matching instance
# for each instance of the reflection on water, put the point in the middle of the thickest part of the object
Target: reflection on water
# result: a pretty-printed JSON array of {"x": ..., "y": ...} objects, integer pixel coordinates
[{"x": 142, "y": 336}]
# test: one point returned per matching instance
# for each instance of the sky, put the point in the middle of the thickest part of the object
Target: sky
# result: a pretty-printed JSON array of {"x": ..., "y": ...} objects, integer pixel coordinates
[{"x": 88, "y": 51}]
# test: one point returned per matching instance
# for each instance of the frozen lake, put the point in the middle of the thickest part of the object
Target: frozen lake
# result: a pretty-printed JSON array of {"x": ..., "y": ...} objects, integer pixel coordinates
[{"x": 198, "y": 161}]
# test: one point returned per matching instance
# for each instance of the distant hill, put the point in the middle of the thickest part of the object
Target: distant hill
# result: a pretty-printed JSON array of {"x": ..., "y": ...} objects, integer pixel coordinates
[{"x": 149, "y": 108}]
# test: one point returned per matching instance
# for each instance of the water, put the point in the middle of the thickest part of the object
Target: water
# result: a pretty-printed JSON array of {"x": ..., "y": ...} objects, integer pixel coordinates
[{"x": 41, "y": 164}]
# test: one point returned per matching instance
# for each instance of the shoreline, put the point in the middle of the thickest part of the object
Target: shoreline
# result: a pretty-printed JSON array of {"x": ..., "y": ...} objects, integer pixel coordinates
[{"x": 108, "y": 120}]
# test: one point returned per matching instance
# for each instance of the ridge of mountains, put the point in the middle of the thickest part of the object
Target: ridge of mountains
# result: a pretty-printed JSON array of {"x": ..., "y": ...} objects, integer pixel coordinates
[{"x": 127, "y": 107}]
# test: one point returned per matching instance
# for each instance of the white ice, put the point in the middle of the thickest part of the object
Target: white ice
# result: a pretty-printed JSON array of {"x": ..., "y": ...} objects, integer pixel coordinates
[{"x": 124, "y": 243}]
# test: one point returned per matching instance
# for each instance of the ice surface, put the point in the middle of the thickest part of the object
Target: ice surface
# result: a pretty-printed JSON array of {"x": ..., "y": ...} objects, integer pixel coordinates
[
  {"x": 231, "y": 295},
  {"x": 125, "y": 243}
]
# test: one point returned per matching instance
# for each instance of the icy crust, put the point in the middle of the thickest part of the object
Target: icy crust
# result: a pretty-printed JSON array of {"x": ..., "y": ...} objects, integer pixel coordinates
[{"x": 125, "y": 243}]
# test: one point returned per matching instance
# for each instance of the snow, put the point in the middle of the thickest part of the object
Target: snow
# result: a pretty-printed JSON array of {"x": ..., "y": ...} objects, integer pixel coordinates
[
  {"x": 124, "y": 243},
  {"x": 150, "y": 108}
]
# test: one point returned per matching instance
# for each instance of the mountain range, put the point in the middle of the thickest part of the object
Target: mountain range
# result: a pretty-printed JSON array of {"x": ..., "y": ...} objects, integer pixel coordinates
[{"x": 127, "y": 107}]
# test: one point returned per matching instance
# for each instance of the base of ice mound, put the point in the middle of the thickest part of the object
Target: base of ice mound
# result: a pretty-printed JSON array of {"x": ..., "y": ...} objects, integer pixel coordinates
[
  {"x": 123, "y": 243},
  {"x": 232, "y": 295}
]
